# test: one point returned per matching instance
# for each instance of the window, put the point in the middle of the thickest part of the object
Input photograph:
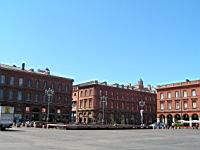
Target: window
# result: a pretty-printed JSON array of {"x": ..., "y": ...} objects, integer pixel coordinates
[
  {"x": 52, "y": 86},
  {"x": 86, "y": 92},
  {"x": 19, "y": 96},
  {"x": 1, "y": 94},
  {"x": 28, "y": 98},
  {"x": 90, "y": 103},
  {"x": 12, "y": 81},
  {"x": 161, "y": 96},
  {"x": 73, "y": 105},
  {"x": 122, "y": 105},
  {"x": 169, "y": 105},
  {"x": 43, "y": 110},
  {"x": 194, "y": 104},
  {"x": 112, "y": 94},
  {"x": 66, "y": 88},
  {"x": 36, "y": 97},
  {"x": 29, "y": 83},
  {"x": 60, "y": 88},
  {"x": 177, "y": 105},
  {"x": 45, "y": 85},
  {"x": 185, "y": 104},
  {"x": 90, "y": 92},
  {"x": 150, "y": 110},
  {"x": 133, "y": 107},
  {"x": 10, "y": 96},
  {"x": 59, "y": 99},
  {"x": 2, "y": 79},
  {"x": 81, "y": 94},
  {"x": 162, "y": 106},
  {"x": 117, "y": 105},
  {"x": 106, "y": 93},
  {"x": 74, "y": 94},
  {"x": 127, "y": 106},
  {"x": 21, "y": 82},
  {"x": 184, "y": 93},
  {"x": 169, "y": 95},
  {"x": 146, "y": 108},
  {"x": 58, "y": 111},
  {"x": 100, "y": 92},
  {"x": 137, "y": 108},
  {"x": 66, "y": 99},
  {"x": 194, "y": 93},
  {"x": 176, "y": 94},
  {"x": 85, "y": 103},
  {"x": 37, "y": 84},
  {"x": 81, "y": 103},
  {"x": 112, "y": 105},
  {"x": 27, "y": 109}
]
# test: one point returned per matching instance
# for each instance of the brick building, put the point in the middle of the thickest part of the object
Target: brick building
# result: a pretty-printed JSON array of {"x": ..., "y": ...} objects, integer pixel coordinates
[
  {"x": 94, "y": 102},
  {"x": 25, "y": 90},
  {"x": 178, "y": 101}
]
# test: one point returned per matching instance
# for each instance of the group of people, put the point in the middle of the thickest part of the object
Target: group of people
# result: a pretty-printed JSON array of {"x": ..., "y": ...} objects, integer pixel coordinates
[
  {"x": 173, "y": 125},
  {"x": 195, "y": 126}
]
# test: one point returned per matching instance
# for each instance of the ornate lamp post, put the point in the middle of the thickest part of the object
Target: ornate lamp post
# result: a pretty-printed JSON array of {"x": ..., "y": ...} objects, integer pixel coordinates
[
  {"x": 103, "y": 100},
  {"x": 142, "y": 104},
  {"x": 49, "y": 93}
]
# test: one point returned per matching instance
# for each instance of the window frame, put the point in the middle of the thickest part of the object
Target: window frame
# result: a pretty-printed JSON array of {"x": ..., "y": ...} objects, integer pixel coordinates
[
  {"x": 194, "y": 94},
  {"x": 177, "y": 102},
  {"x": 185, "y": 94},
  {"x": 162, "y": 106},
  {"x": 161, "y": 96},
  {"x": 21, "y": 82},
  {"x": 169, "y": 95}
]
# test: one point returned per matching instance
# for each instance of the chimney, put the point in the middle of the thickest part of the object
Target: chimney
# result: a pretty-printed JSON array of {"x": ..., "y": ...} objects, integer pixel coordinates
[
  {"x": 149, "y": 87},
  {"x": 47, "y": 71},
  {"x": 129, "y": 85},
  {"x": 23, "y": 66},
  {"x": 187, "y": 80}
]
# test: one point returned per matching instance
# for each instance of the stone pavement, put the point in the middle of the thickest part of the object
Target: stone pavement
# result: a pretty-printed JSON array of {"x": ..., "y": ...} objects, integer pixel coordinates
[{"x": 54, "y": 139}]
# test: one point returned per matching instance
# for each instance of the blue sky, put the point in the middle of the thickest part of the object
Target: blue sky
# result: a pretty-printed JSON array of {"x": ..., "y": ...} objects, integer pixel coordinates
[{"x": 113, "y": 40}]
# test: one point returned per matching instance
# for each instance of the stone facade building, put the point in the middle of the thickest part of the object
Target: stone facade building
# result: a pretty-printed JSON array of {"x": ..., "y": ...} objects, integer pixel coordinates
[
  {"x": 94, "y": 102},
  {"x": 25, "y": 90},
  {"x": 178, "y": 101}
]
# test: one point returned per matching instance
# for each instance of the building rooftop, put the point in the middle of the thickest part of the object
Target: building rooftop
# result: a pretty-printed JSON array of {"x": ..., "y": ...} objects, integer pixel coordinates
[
  {"x": 179, "y": 84},
  {"x": 148, "y": 89},
  {"x": 45, "y": 72}
]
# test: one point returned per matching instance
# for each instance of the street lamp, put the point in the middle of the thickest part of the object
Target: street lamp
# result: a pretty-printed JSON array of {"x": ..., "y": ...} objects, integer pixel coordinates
[
  {"x": 141, "y": 104},
  {"x": 49, "y": 93},
  {"x": 103, "y": 100}
]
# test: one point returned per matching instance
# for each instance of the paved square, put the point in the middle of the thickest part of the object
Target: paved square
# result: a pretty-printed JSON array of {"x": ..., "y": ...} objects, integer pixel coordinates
[{"x": 43, "y": 139}]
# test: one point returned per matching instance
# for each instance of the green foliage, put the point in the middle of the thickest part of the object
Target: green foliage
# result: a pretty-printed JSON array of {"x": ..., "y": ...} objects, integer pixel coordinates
[{"x": 178, "y": 124}]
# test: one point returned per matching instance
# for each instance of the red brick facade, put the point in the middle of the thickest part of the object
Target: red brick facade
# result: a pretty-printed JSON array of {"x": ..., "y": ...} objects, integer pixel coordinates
[
  {"x": 121, "y": 106},
  {"x": 178, "y": 101},
  {"x": 25, "y": 90}
]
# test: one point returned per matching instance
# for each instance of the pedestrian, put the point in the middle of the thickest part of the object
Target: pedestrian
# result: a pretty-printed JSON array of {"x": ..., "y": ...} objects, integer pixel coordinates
[
  {"x": 173, "y": 125},
  {"x": 197, "y": 126}
]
